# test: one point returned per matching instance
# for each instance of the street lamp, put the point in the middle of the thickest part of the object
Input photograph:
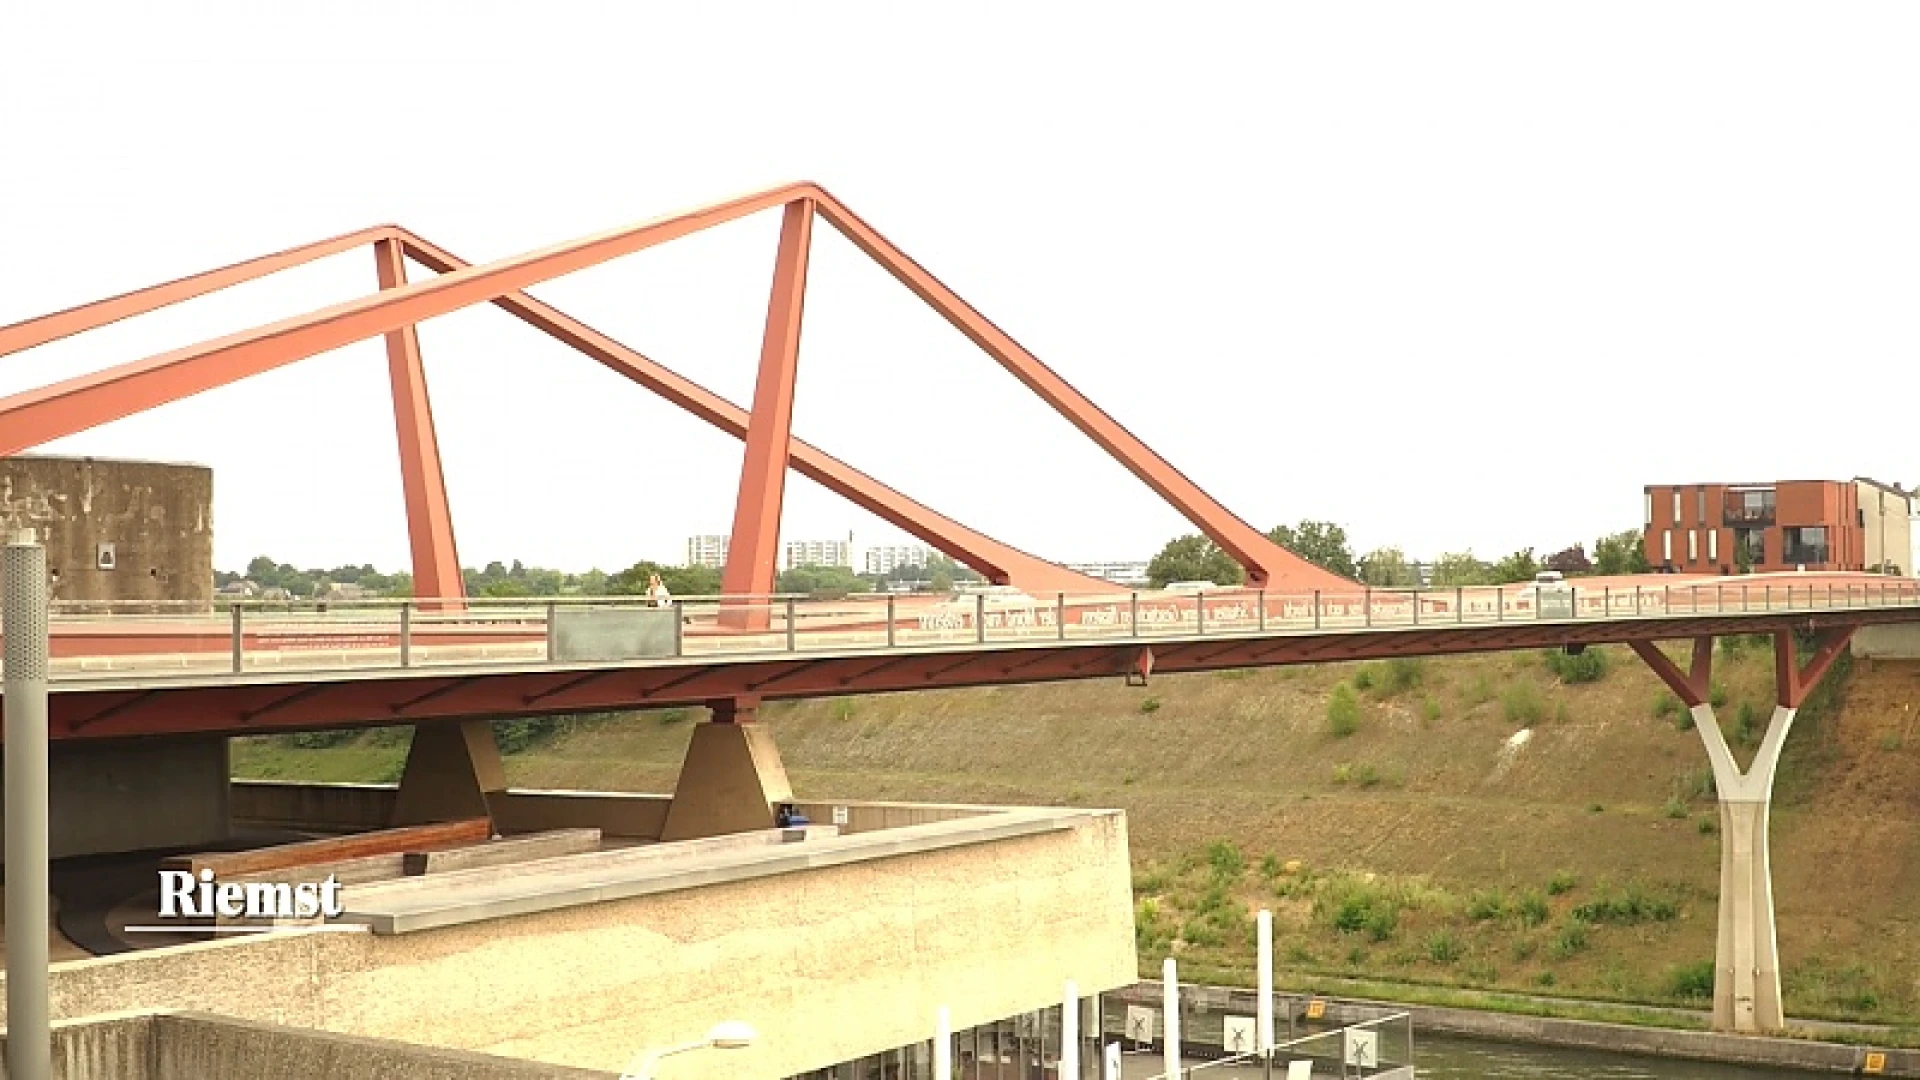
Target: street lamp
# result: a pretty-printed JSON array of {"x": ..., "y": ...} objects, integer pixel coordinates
[{"x": 726, "y": 1035}]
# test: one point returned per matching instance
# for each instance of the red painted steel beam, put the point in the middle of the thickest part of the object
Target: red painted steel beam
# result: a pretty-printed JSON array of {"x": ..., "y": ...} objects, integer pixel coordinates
[
  {"x": 755, "y": 540},
  {"x": 999, "y": 562},
  {"x": 1268, "y": 565},
  {"x": 29, "y": 333},
  {"x": 1691, "y": 687},
  {"x": 1793, "y": 682},
  {"x": 436, "y": 561}
]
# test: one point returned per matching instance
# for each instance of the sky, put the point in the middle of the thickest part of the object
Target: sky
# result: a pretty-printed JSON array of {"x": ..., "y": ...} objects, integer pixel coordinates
[{"x": 1456, "y": 277}]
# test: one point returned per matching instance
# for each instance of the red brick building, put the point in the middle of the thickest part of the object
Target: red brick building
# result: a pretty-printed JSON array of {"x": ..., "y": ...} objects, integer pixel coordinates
[{"x": 1819, "y": 524}]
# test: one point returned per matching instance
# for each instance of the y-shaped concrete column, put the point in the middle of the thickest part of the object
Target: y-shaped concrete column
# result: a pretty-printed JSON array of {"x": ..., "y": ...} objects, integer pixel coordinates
[
  {"x": 1746, "y": 977},
  {"x": 1746, "y": 982}
]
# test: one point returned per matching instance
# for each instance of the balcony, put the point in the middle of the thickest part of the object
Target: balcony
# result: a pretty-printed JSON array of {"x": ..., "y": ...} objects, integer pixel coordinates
[{"x": 1748, "y": 517}]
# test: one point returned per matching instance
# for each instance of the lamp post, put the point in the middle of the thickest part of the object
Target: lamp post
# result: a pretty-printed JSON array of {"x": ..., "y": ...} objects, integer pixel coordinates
[{"x": 726, "y": 1035}]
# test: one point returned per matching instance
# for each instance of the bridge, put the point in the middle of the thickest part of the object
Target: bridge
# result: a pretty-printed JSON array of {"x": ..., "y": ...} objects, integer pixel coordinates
[{"x": 449, "y": 664}]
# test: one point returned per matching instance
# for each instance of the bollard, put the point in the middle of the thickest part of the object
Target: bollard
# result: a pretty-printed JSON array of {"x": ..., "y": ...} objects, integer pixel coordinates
[
  {"x": 1170, "y": 1040},
  {"x": 1263, "y": 1010},
  {"x": 23, "y": 574}
]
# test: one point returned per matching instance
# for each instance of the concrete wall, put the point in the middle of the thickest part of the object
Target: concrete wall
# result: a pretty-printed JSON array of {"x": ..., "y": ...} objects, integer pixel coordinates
[
  {"x": 158, "y": 517},
  {"x": 1889, "y": 532},
  {"x": 189, "y": 1046},
  {"x": 133, "y": 795},
  {"x": 828, "y": 964},
  {"x": 1899, "y": 641}
]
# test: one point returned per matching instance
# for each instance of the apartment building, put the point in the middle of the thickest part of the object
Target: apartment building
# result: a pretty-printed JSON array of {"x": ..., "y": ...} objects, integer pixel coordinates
[
  {"x": 710, "y": 550},
  {"x": 888, "y": 558},
  {"x": 1725, "y": 528},
  {"x": 817, "y": 553}
]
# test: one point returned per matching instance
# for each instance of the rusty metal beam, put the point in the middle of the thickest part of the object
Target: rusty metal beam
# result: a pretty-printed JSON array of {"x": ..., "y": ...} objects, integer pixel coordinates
[
  {"x": 436, "y": 562},
  {"x": 20, "y": 336},
  {"x": 753, "y": 547},
  {"x": 1792, "y": 681}
]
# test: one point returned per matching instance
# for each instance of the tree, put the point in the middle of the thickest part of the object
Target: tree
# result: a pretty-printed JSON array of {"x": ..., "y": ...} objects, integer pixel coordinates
[
  {"x": 1193, "y": 558},
  {"x": 1624, "y": 552},
  {"x": 1571, "y": 561},
  {"x": 1519, "y": 566},
  {"x": 1386, "y": 568},
  {"x": 1460, "y": 568},
  {"x": 1321, "y": 543},
  {"x": 815, "y": 580},
  {"x": 941, "y": 581},
  {"x": 679, "y": 580}
]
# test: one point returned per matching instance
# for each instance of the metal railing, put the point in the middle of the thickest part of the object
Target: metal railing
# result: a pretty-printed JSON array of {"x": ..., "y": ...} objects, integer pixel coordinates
[{"x": 155, "y": 638}]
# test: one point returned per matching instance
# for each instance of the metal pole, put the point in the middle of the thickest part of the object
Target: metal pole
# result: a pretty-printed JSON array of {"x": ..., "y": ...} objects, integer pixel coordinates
[
  {"x": 239, "y": 661},
  {"x": 1069, "y": 1036},
  {"x": 1170, "y": 1039},
  {"x": 1060, "y": 614},
  {"x": 942, "y": 1043},
  {"x": 1200, "y": 612},
  {"x": 1133, "y": 615},
  {"x": 1263, "y": 1009},
  {"x": 1316, "y": 609},
  {"x": 890, "y": 600},
  {"x": 1262, "y": 616},
  {"x": 406, "y": 634},
  {"x": 1368, "y": 601},
  {"x": 1459, "y": 604},
  {"x": 679, "y": 628},
  {"x": 792, "y": 642},
  {"x": 980, "y": 617},
  {"x": 23, "y": 574}
]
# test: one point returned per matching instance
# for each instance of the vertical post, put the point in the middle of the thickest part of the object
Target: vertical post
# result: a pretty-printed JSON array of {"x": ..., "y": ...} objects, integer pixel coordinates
[
  {"x": 239, "y": 660},
  {"x": 793, "y": 640},
  {"x": 679, "y": 628},
  {"x": 1069, "y": 1036},
  {"x": 1261, "y": 599},
  {"x": 890, "y": 601},
  {"x": 1500, "y": 604},
  {"x": 23, "y": 621},
  {"x": 1200, "y": 612},
  {"x": 1133, "y": 614},
  {"x": 1316, "y": 609},
  {"x": 1060, "y": 615},
  {"x": 550, "y": 635},
  {"x": 763, "y": 468},
  {"x": 980, "y": 617},
  {"x": 942, "y": 1043},
  {"x": 1606, "y": 601},
  {"x": 1636, "y": 601},
  {"x": 1367, "y": 602},
  {"x": 406, "y": 633},
  {"x": 436, "y": 563},
  {"x": 1170, "y": 1038},
  {"x": 1459, "y": 604},
  {"x": 1416, "y": 605},
  {"x": 1263, "y": 1009}
]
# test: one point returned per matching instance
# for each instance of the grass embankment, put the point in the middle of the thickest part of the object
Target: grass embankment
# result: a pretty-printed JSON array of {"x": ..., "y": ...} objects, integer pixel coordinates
[{"x": 1516, "y": 824}]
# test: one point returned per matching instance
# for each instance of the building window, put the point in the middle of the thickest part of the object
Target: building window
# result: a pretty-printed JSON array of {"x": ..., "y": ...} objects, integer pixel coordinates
[
  {"x": 1713, "y": 545},
  {"x": 1676, "y": 506},
  {"x": 1649, "y": 509},
  {"x": 1666, "y": 547},
  {"x": 1805, "y": 546},
  {"x": 1693, "y": 545},
  {"x": 1702, "y": 504}
]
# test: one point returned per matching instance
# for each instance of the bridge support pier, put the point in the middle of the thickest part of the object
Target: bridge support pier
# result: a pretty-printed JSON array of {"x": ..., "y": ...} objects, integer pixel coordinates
[
  {"x": 732, "y": 779},
  {"x": 453, "y": 772},
  {"x": 1746, "y": 977}
]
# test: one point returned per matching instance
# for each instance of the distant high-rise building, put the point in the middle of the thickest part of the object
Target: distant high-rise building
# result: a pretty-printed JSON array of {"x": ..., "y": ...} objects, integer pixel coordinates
[
  {"x": 710, "y": 550},
  {"x": 817, "y": 553},
  {"x": 888, "y": 558}
]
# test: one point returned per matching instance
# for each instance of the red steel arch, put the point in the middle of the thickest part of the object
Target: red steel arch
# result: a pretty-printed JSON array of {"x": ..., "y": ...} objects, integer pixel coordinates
[{"x": 35, "y": 417}]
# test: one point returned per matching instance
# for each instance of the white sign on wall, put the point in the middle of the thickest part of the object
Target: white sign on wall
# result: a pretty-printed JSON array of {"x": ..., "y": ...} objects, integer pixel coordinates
[
  {"x": 1237, "y": 1037},
  {"x": 840, "y": 815},
  {"x": 1140, "y": 1020},
  {"x": 1363, "y": 1048}
]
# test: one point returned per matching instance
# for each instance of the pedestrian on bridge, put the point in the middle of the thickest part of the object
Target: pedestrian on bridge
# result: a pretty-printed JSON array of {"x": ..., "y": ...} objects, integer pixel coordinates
[{"x": 658, "y": 590}]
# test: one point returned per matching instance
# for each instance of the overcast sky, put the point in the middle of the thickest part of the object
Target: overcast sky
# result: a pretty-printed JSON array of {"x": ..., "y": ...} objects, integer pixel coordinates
[{"x": 1452, "y": 275}]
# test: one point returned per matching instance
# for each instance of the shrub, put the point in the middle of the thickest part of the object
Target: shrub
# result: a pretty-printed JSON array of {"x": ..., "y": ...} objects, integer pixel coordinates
[
  {"x": 1150, "y": 705},
  {"x": 1270, "y": 867},
  {"x": 318, "y": 740},
  {"x": 515, "y": 736},
  {"x": 1343, "y": 712},
  {"x": 1628, "y": 907},
  {"x": 1226, "y": 860},
  {"x": 1676, "y": 809},
  {"x": 1587, "y": 666},
  {"x": 1405, "y": 672},
  {"x": 1717, "y": 694},
  {"x": 1561, "y": 883},
  {"x": 1479, "y": 690},
  {"x": 1482, "y": 906},
  {"x": 1666, "y": 705},
  {"x": 1571, "y": 939},
  {"x": 1747, "y": 729},
  {"x": 1532, "y": 909},
  {"x": 1443, "y": 947},
  {"x": 1363, "y": 678},
  {"x": 1693, "y": 980},
  {"x": 1522, "y": 704},
  {"x": 1707, "y": 826},
  {"x": 1429, "y": 709}
]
